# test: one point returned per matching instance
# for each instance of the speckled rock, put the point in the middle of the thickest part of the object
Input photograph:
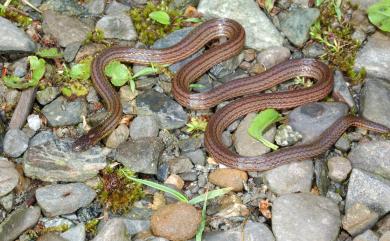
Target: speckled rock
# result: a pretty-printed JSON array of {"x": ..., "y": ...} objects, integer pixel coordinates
[
  {"x": 76, "y": 233},
  {"x": 115, "y": 8},
  {"x": 51, "y": 237},
  {"x": 359, "y": 218},
  {"x": 114, "y": 229},
  {"x": 118, "y": 27},
  {"x": 61, "y": 112},
  {"x": 9, "y": 177},
  {"x": 47, "y": 95},
  {"x": 177, "y": 221},
  {"x": 273, "y": 56},
  {"x": 15, "y": 142},
  {"x": 339, "y": 168},
  {"x": 41, "y": 138},
  {"x": 144, "y": 126},
  {"x": 118, "y": 136},
  {"x": 367, "y": 236},
  {"x": 13, "y": 39},
  {"x": 228, "y": 177}
]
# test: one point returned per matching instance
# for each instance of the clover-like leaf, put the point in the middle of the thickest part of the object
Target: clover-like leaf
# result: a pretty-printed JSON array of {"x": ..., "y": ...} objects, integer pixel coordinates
[
  {"x": 82, "y": 70},
  {"x": 161, "y": 17},
  {"x": 118, "y": 73},
  {"x": 379, "y": 15}
]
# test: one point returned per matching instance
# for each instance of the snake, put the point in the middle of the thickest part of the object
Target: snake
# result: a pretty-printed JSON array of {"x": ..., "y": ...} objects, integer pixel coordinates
[{"x": 246, "y": 94}]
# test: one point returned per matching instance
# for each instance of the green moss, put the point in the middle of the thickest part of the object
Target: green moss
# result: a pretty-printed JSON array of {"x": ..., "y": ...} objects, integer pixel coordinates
[
  {"x": 11, "y": 12},
  {"x": 116, "y": 192},
  {"x": 148, "y": 29},
  {"x": 335, "y": 32},
  {"x": 91, "y": 226},
  {"x": 95, "y": 36}
]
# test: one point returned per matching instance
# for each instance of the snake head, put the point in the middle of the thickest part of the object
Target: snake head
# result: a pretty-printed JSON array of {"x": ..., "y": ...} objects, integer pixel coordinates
[{"x": 83, "y": 143}]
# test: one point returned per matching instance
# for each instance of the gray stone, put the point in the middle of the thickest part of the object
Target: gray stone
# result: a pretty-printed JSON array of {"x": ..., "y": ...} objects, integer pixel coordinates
[
  {"x": 76, "y": 233},
  {"x": 61, "y": 112},
  {"x": 190, "y": 144},
  {"x": 141, "y": 155},
  {"x": 13, "y": 39},
  {"x": 117, "y": 27},
  {"x": 273, "y": 56},
  {"x": 169, "y": 113},
  {"x": 64, "y": 28},
  {"x": 41, "y": 138},
  {"x": 339, "y": 168},
  {"x": 47, "y": 95},
  {"x": 375, "y": 101},
  {"x": 9, "y": 177},
  {"x": 18, "y": 221},
  {"x": 180, "y": 165},
  {"x": 55, "y": 161},
  {"x": 374, "y": 56},
  {"x": 134, "y": 226},
  {"x": 296, "y": 24},
  {"x": 251, "y": 231},
  {"x": 60, "y": 199},
  {"x": 370, "y": 190},
  {"x": 15, "y": 142},
  {"x": 367, "y": 236},
  {"x": 144, "y": 126},
  {"x": 313, "y": 50},
  {"x": 114, "y": 229},
  {"x": 34, "y": 122},
  {"x": 290, "y": 178},
  {"x": 341, "y": 91},
  {"x": 118, "y": 136},
  {"x": 245, "y": 144},
  {"x": 359, "y": 218},
  {"x": 71, "y": 51},
  {"x": 312, "y": 119},
  {"x": 116, "y": 8},
  {"x": 197, "y": 157},
  {"x": 68, "y": 7},
  {"x": 226, "y": 67},
  {"x": 385, "y": 236},
  {"x": 343, "y": 143},
  {"x": 305, "y": 217},
  {"x": 260, "y": 32},
  {"x": 96, "y": 7},
  {"x": 51, "y": 237},
  {"x": 20, "y": 67},
  {"x": 373, "y": 156},
  {"x": 7, "y": 201},
  {"x": 364, "y": 4}
]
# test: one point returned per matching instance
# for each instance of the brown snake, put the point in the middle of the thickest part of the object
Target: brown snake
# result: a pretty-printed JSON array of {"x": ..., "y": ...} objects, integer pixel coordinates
[{"x": 249, "y": 87}]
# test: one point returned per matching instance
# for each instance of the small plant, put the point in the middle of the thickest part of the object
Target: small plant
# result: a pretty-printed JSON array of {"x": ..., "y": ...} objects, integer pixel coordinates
[
  {"x": 379, "y": 15},
  {"x": 14, "y": 14},
  {"x": 95, "y": 36},
  {"x": 51, "y": 53},
  {"x": 197, "y": 123},
  {"x": 161, "y": 17},
  {"x": 75, "y": 81},
  {"x": 91, "y": 226}
]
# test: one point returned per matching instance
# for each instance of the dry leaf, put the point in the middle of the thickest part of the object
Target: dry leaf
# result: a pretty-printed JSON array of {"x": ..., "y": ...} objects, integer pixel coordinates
[{"x": 264, "y": 206}]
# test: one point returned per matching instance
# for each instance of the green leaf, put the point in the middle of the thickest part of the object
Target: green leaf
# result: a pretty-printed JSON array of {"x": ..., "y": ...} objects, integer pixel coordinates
[
  {"x": 66, "y": 91},
  {"x": 262, "y": 120},
  {"x": 193, "y": 20},
  {"x": 82, "y": 70},
  {"x": 14, "y": 82},
  {"x": 158, "y": 186},
  {"x": 132, "y": 85},
  {"x": 145, "y": 71},
  {"x": 319, "y": 2},
  {"x": 269, "y": 5},
  {"x": 198, "y": 86},
  {"x": 160, "y": 16},
  {"x": 51, "y": 53},
  {"x": 118, "y": 73},
  {"x": 37, "y": 67},
  {"x": 379, "y": 15},
  {"x": 202, "y": 225},
  {"x": 209, "y": 195},
  {"x": 337, "y": 5}
]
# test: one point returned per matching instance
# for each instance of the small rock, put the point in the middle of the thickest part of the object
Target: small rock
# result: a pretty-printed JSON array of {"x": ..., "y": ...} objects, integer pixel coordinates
[
  {"x": 245, "y": 144},
  {"x": 359, "y": 218},
  {"x": 367, "y": 236},
  {"x": 339, "y": 168},
  {"x": 9, "y": 177},
  {"x": 176, "y": 181},
  {"x": 47, "y": 95},
  {"x": 34, "y": 122},
  {"x": 7, "y": 201},
  {"x": 286, "y": 136},
  {"x": 312, "y": 119},
  {"x": 114, "y": 229},
  {"x": 226, "y": 67},
  {"x": 364, "y": 4},
  {"x": 20, "y": 67},
  {"x": 13, "y": 39},
  {"x": 18, "y": 221},
  {"x": 341, "y": 91},
  {"x": 313, "y": 50},
  {"x": 96, "y": 7},
  {"x": 15, "y": 142},
  {"x": 273, "y": 56},
  {"x": 228, "y": 177},
  {"x": 117, "y": 27},
  {"x": 169, "y": 113},
  {"x": 296, "y": 24},
  {"x": 319, "y": 216},
  {"x": 177, "y": 221},
  {"x": 290, "y": 178},
  {"x": 116, "y": 8},
  {"x": 51, "y": 237},
  {"x": 68, "y": 7},
  {"x": 249, "y": 55},
  {"x": 41, "y": 138},
  {"x": 135, "y": 226},
  {"x": 118, "y": 136},
  {"x": 60, "y": 199},
  {"x": 60, "y": 112},
  {"x": 343, "y": 143},
  {"x": 141, "y": 155},
  {"x": 70, "y": 52},
  {"x": 385, "y": 236},
  {"x": 383, "y": 226},
  {"x": 197, "y": 157},
  {"x": 370, "y": 190},
  {"x": 180, "y": 165},
  {"x": 76, "y": 233},
  {"x": 190, "y": 144},
  {"x": 144, "y": 126}
]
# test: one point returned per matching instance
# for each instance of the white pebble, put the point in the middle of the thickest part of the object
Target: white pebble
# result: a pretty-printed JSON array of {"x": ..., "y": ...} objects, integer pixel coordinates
[{"x": 34, "y": 122}]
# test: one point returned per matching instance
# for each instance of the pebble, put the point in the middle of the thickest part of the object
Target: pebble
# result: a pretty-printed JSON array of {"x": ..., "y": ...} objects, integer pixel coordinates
[
  {"x": 65, "y": 29},
  {"x": 177, "y": 221},
  {"x": 367, "y": 236},
  {"x": 141, "y": 155},
  {"x": 176, "y": 181},
  {"x": 385, "y": 236},
  {"x": 15, "y": 142},
  {"x": 68, "y": 7},
  {"x": 34, "y": 122},
  {"x": 359, "y": 218},
  {"x": 62, "y": 112},
  {"x": 245, "y": 144},
  {"x": 54, "y": 161},
  {"x": 170, "y": 114},
  {"x": 114, "y": 229},
  {"x": 9, "y": 176},
  {"x": 228, "y": 177},
  {"x": 76, "y": 233},
  {"x": 273, "y": 56},
  {"x": 70, "y": 52},
  {"x": 118, "y": 136},
  {"x": 296, "y": 24},
  {"x": 339, "y": 168},
  {"x": 117, "y": 27},
  {"x": 51, "y": 237},
  {"x": 41, "y": 138},
  {"x": 313, "y": 50},
  {"x": 7, "y": 202},
  {"x": 95, "y": 7},
  {"x": 364, "y": 4},
  {"x": 374, "y": 56},
  {"x": 144, "y": 126},
  {"x": 180, "y": 165},
  {"x": 18, "y": 221},
  {"x": 305, "y": 217},
  {"x": 341, "y": 91},
  {"x": 260, "y": 32},
  {"x": 312, "y": 119},
  {"x": 190, "y": 144},
  {"x": 226, "y": 67},
  {"x": 60, "y": 199},
  {"x": 290, "y": 178},
  {"x": 197, "y": 157},
  {"x": 286, "y": 136},
  {"x": 370, "y": 190},
  {"x": 343, "y": 143},
  {"x": 20, "y": 67},
  {"x": 13, "y": 39},
  {"x": 47, "y": 95},
  {"x": 116, "y": 8},
  {"x": 376, "y": 91}
]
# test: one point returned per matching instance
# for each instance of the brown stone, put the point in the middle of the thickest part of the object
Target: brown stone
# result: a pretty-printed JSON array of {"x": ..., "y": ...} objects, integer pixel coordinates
[{"x": 228, "y": 177}]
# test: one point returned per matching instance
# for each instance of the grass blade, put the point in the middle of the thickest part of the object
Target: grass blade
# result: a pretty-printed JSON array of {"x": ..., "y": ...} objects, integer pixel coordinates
[
  {"x": 202, "y": 225},
  {"x": 209, "y": 195}
]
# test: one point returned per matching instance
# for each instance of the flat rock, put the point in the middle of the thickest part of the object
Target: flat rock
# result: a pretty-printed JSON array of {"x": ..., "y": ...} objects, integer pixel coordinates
[
  {"x": 68, "y": 7},
  {"x": 341, "y": 91},
  {"x": 144, "y": 126},
  {"x": 228, "y": 177},
  {"x": 260, "y": 32},
  {"x": 13, "y": 39},
  {"x": 15, "y": 142},
  {"x": 60, "y": 199},
  {"x": 54, "y": 161},
  {"x": 375, "y": 100},
  {"x": 114, "y": 229},
  {"x": 62, "y": 112},
  {"x": 41, "y": 138},
  {"x": 115, "y": 8},
  {"x": 359, "y": 218},
  {"x": 141, "y": 155},
  {"x": 273, "y": 56},
  {"x": 117, "y": 136},
  {"x": 314, "y": 118},
  {"x": 51, "y": 237},
  {"x": 117, "y": 27},
  {"x": 18, "y": 221},
  {"x": 47, "y": 95},
  {"x": 290, "y": 178},
  {"x": 367, "y": 236},
  {"x": 339, "y": 168},
  {"x": 305, "y": 217},
  {"x": 371, "y": 190},
  {"x": 9, "y": 177},
  {"x": 76, "y": 233}
]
